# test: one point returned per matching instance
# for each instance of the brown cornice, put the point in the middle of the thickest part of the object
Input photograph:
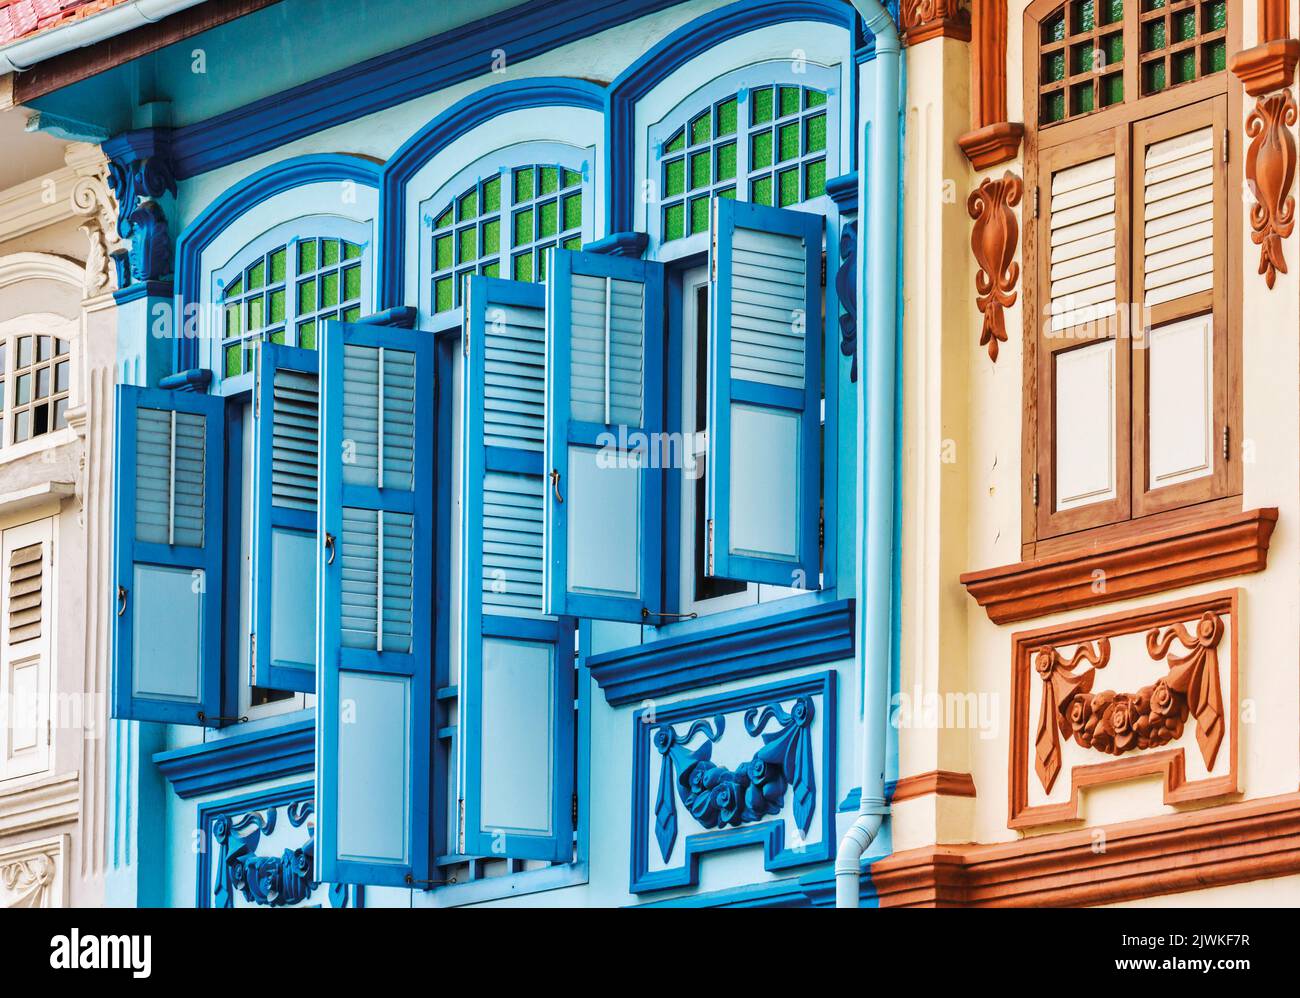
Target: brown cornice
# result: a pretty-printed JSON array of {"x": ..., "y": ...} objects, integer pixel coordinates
[
  {"x": 925, "y": 19},
  {"x": 993, "y": 139},
  {"x": 940, "y": 782},
  {"x": 993, "y": 144},
  {"x": 1267, "y": 67},
  {"x": 1211, "y": 847},
  {"x": 1217, "y": 548}
]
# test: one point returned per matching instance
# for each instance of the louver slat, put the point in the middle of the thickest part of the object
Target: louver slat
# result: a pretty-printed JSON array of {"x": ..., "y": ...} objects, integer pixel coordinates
[
  {"x": 512, "y": 541},
  {"x": 767, "y": 309},
  {"x": 1178, "y": 197},
  {"x": 1083, "y": 261},
  {"x": 25, "y": 593},
  {"x": 606, "y": 385},
  {"x": 169, "y": 494},
  {"x": 514, "y": 393},
  {"x": 295, "y": 443}
]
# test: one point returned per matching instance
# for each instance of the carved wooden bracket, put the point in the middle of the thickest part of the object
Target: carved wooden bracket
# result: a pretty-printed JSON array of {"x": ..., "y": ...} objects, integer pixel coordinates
[
  {"x": 1270, "y": 172},
  {"x": 994, "y": 241},
  {"x": 993, "y": 139},
  {"x": 926, "y": 19}
]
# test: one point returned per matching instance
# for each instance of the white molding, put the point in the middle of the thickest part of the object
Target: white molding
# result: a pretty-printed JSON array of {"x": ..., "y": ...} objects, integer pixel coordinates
[
  {"x": 26, "y": 805},
  {"x": 25, "y": 208},
  {"x": 21, "y": 500},
  {"x": 17, "y": 267},
  {"x": 35, "y": 874}
]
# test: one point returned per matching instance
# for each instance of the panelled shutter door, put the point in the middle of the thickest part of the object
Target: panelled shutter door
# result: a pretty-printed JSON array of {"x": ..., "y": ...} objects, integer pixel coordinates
[
  {"x": 285, "y": 499},
  {"x": 517, "y": 685},
  {"x": 169, "y": 498},
  {"x": 604, "y": 441},
  {"x": 765, "y": 355},
  {"x": 375, "y": 580},
  {"x": 25, "y": 691}
]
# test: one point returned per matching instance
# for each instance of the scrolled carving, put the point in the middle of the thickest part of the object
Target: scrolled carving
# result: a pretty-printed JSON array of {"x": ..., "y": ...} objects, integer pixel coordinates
[
  {"x": 1270, "y": 173},
  {"x": 92, "y": 198},
  {"x": 994, "y": 241},
  {"x": 1115, "y": 723},
  {"x": 925, "y": 19},
  {"x": 846, "y": 287},
  {"x": 28, "y": 881},
  {"x": 271, "y": 881}
]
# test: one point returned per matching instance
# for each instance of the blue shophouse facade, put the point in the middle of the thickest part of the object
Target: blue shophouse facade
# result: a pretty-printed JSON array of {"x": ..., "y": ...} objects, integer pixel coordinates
[{"x": 505, "y": 454}]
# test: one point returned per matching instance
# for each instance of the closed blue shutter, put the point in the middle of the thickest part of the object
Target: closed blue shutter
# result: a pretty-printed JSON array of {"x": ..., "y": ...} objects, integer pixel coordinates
[
  {"x": 604, "y": 443},
  {"x": 168, "y": 556},
  {"x": 285, "y": 497},
  {"x": 516, "y": 710},
  {"x": 765, "y": 353},
  {"x": 375, "y": 605}
]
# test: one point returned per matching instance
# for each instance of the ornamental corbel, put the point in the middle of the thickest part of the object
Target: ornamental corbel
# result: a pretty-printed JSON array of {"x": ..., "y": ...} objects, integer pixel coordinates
[
  {"x": 922, "y": 20},
  {"x": 994, "y": 241},
  {"x": 139, "y": 175}
]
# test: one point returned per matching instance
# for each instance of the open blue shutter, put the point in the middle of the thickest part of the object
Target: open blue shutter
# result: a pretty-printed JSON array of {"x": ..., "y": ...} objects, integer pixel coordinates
[
  {"x": 516, "y": 710},
  {"x": 375, "y": 605},
  {"x": 604, "y": 442},
  {"x": 286, "y": 431},
  {"x": 765, "y": 353},
  {"x": 168, "y": 556}
]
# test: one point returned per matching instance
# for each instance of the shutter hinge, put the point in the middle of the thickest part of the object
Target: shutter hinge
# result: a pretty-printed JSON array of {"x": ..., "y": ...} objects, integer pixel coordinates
[
  {"x": 1227, "y": 139},
  {"x": 460, "y": 824},
  {"x": 710, "y": 571},
  {"x": 575, "y": 809},
  {"x": 1034, "y": 487},
  {"x": 1226, "y": 453},
  {"x": 823, "y": 270},
  {"x": 49, "y": 737},
  {"x": 713, "y": 243},
  {"x": 1036, "y": 202}
]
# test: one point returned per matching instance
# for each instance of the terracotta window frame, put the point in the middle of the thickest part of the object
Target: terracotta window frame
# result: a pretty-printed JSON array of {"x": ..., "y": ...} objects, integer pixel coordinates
[{"x": 1127, "y": 127}]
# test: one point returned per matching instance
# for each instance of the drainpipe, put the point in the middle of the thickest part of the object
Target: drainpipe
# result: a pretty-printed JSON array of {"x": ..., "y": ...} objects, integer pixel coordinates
[
  {"x": 27, "y": 52},
  {"x": 875, "y": 449}
]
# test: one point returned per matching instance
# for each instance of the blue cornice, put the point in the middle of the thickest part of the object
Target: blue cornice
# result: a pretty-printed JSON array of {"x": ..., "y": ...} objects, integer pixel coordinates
[
  {"x": 776, "y": 640},
  {"x": 385, "y": 81},
  {"x": 683, "y": 45},
  {"x": 143, "y": 289},
  {"x": 629, "y": 244},
  {"x": 843, "y": 190},
  {"x": 248, "y": 757},
  {"x": 467, "y": 114}
]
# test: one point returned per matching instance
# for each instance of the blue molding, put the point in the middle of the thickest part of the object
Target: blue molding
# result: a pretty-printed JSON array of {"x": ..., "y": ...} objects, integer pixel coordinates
[
  {"x": 239, "y": 198},
  {"x": 843, "y": 190},
  {"x": 787, "y": 893},
  {"x": 683, "y": 45},
  {"x": 759, "y": 640},
  {"x": 140, "y": 174},
  {"x": 240, "y": 759},
  {"x": 631, "y": 244},
  {"x": 426, "y": 66},
  {"x": 462, "y": 117},
  {"x": 143, "y": 289},
  {"x": 196, "y": 379},
  {"x": 646, "y": 725}
]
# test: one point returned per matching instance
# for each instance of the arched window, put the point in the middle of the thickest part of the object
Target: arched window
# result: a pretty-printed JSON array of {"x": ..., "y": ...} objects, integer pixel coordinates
[
  {"x": 1094, "y": 54},
  {"x": 283, "y": 289},
  {"x": 503, "y": 226}
]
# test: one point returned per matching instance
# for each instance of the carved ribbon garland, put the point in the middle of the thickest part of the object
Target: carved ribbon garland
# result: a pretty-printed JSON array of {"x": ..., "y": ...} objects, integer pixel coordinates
[
  {"x": 718, "y": 797},
  {"x": 1116, "y": 723},
  {"x": 994, "y": 242},
  {"x": 1270, "y": 172},
  {"x": 273, "y": 881}
]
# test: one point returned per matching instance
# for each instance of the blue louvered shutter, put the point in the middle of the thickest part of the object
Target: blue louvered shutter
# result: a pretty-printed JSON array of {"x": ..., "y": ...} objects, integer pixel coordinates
[
  {"x": 375, "y": 605},
  {"x": 286, "y": 430},
  {"x": 169, "y": 501},
  {"x": 517, "y": 685},
  {"x": 763, "y": 478},
  {"x": 604, "y": 443}
]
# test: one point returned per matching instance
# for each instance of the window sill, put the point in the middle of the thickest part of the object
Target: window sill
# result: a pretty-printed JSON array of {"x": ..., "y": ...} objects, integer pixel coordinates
[
  {"x": 283, "y": 748},
  {"x": 1136, "y": 565},
  {"x": 767, "y": 637}
]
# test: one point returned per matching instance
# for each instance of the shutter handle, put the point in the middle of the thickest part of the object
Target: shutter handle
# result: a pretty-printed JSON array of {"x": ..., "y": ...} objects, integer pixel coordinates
[
  {"x": 329, "y": 546},
  {"x": 121, "y": 600},
  {"x": 555, "y": 484}
]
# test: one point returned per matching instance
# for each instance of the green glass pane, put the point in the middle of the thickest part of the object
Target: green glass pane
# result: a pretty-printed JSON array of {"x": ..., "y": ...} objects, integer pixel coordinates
[
  {"x": 760, "y": 191},
  {"x": 1081, "y": 98},
  {"x": 727, "y": 117},
  {"x": 307, "y": 334},
  {"x": 1053, "y": 107},
  {"x": 572, "y": 178},
  {"x": 467, "y": 206},
  {"x": 442, "y": 294},
  {"x": 1112, "y": 46},
  {"x": 444, "y": 219},
  {"x": 276, "y": 336},
  {"x": 573, "y": 243},
  {"x": 466, "y": 244},
  {"x": 1112, "y": 11},
  {"x": 234, "y": 360},
  {"x": 700, "y": 173},
  {"x": 726, "y": 161},
  {"x": 1054, "y": 67},
  {"x": 1153, "y": 36},
  {"x": 306, "y": 256},
  {"x": 351, "y": 251},
  {"x": 727, "y": 192},
  {"x": 548, "y": 219},
  {"x": 1153, "y": 4},
  {"x": 761, "y": 104},
  {"x": 234, "y": 327},
  {"x": 523, "y": 230},
  {"x": 492, "y": 269},
  {"x": 674, "y": 177},
  {"x": 789, "y": 100},
  {"x": 234, "y": 287},
  {"x": 674, "y": 222},
  {"x": 1054, "y": 28},
  {"x": 677, "y": 143},
  {"x": 814, "y": 134},
  {"x": 256, "y": 313},
  {"x": 491, "y": 234},
  {"x": 277, "y": 307},
  {"x": 1183, "y": 66},
  {"x": 789, "y": 187},
  {"x": 550, "y": 179},
  {"x": 1216, "y": 56},
  {"x": 1112, "y": 89},
  {"x": 1216, "y": 15},
  {"x": 524, "y": 184},
  {"x": 814, "y": 179},
  {"x": 352, "y": 314},
  {"x": 442, "y": 252},
  {"x": 492, "y": 194},
  {"x": 307, "y": 296},
  {"x": 329, "y": 290},
  {"x": 352, "y": 284},
  {"x": 1153, "y": 76},
  {"x": 700, "y": 215},
  {"x": 1083, "y": 58},
  {"x": 701, "y": 130},
  {"x": 329, "y": 252},
  {"x": 1085, "y": 15},
  {"x": 788, "y": 141},
  {"x": 277, "y": 267},
  {"x": 760, "y": 150},
  {"x": 523, "y": 267},
  {"x": 1184, "y": 25},
  {"x": 256, "y": 275},
  {"x": 813, "y": 98},
  {"x": 573, "y": 211}
]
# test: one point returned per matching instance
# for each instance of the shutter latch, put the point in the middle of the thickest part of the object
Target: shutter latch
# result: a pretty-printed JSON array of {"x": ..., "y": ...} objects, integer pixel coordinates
[
  {"x": 575, "y": 809},
  {"x": 1226, "y": 452},
  {"x": 555, "y": 485}
]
